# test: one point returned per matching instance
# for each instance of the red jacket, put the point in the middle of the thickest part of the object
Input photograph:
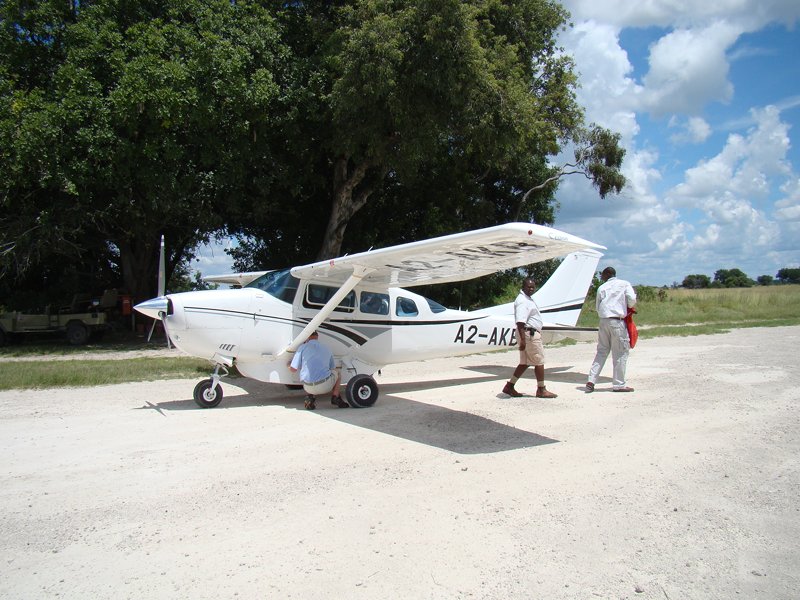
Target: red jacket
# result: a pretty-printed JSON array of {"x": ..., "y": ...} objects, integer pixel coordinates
[{"x": 633, "y": 334}]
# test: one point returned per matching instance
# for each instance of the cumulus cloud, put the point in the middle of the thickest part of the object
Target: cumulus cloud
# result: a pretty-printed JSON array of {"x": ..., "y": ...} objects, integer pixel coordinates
[
  {"x": 694, "y": 130},
  {"x": 788, "y": 208},
  {"x": 607, "y": 90},
  {"x": 752, "y": 14},
  {"x": 744, "y": 165},
  {"x": 688, "y": 69},
  {"x": 730, "y": 191}
]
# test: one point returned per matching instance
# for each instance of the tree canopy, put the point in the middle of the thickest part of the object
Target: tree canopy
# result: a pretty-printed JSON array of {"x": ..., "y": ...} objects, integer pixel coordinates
[
  {"x": 145, "y": 121},
  {"x": 732, "y": 278},
  {"x": 307, "y": 129},
  {"x": 698, "y": 281},
  {"x": 788, "y": 275}
]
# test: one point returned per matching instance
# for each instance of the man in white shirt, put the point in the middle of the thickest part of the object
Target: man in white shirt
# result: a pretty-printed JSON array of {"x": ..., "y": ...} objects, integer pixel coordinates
[
  {"x": 614, "y": 298},
  {"x": 529, "y": 336}
]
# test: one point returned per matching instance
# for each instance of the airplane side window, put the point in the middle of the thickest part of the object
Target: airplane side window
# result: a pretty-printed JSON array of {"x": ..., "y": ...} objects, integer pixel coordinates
[
  {"x": 435, "y": 306},
  {"x": 406, "y": 307},
  {"x": 373, "y": 303},
  {"x": 318, "y": 295}
]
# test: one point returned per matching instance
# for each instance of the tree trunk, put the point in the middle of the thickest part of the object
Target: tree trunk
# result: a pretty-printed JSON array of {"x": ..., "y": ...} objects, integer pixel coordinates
[
  {"x": 139, "y": 264},
  {"x": 346, "y": 203}
]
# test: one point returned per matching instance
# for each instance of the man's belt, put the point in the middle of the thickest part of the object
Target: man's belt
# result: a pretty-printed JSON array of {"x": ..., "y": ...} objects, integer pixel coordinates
[
  {"x": 321, "y": 380},
  {"x": 615, "y": 318}
]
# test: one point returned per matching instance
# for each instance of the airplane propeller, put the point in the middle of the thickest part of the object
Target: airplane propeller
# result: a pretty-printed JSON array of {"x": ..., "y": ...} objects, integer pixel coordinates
[{"x": 162, "y": 288}]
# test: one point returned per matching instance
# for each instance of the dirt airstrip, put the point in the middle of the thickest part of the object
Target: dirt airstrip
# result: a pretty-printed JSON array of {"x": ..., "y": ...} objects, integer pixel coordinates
[{"x": 687, "y": 488}]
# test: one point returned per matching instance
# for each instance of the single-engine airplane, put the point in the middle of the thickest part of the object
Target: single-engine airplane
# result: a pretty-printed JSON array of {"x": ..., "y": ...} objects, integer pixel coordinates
[{"x": 364, "y": 314}]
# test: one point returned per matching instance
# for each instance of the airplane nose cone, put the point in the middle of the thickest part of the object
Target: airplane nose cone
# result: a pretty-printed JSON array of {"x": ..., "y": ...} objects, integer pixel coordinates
[{"x": 154, "y": 307}]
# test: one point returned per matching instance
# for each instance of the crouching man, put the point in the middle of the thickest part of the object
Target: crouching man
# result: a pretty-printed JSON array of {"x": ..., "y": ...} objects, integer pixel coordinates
[{"x": 317, "y": 372}]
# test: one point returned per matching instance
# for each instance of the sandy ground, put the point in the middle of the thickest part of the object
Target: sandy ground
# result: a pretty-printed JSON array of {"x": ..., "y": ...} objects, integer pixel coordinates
[{"x": 687, "y": 488}]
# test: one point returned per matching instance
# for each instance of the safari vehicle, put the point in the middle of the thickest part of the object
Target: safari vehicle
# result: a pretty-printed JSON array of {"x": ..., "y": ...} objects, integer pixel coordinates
[{"x": 79, "y": 321}]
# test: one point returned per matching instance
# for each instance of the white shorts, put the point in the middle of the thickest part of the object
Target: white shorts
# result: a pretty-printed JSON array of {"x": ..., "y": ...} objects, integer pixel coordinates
[
  {"x": 321, "y": 387},
  {"x": 533, "y": 355}
]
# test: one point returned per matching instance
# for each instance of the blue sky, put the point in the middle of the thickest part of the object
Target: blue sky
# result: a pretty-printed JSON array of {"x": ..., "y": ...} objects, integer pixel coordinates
[{"x": 707, "y": 100}]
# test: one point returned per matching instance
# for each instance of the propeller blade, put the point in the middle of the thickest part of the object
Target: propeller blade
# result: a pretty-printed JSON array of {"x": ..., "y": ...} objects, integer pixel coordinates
[
  {"x": 152, "y": 328},
  {"x": 162, "y": 271}
]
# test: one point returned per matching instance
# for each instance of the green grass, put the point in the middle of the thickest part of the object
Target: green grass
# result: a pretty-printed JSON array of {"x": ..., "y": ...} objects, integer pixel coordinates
[
  {"x": 696, "y": 312},
  {"x": 57, "y": 346},
  {"x": 39, "y": 374}
]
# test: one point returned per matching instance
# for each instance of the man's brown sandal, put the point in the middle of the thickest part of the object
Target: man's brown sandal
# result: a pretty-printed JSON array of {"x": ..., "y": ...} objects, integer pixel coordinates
[
  {"x": 509, "y": 389},
  {"x": 339, "y": 401},
  {"x": 543, "y": 393}
]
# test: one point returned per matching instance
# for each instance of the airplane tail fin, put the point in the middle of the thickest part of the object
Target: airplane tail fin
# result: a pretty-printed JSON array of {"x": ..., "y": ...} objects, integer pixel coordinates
[{"x": 561, "y": 298}]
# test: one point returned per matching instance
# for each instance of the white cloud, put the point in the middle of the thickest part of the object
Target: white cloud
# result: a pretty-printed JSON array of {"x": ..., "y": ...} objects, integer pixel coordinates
[
  {"x": 753, "y": 14},
  {"x": 788, "y": 208},
  {"x": 728, "y": 189},
  {"x": 211, "y": 258},
  {"x": 694, "y": 130},
  {"x": 606, "y": 90},
  {"x": 688, "y": 69},
  {"x": 744, "y": 165}
]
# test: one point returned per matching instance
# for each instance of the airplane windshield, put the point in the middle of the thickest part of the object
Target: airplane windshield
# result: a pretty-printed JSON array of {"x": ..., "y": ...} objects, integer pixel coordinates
[{"x": 281, "y": 284}]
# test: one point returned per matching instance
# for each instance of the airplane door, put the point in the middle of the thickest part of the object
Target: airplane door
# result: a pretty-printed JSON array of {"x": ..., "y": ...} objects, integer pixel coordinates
[{"x": 337, "y": 331}]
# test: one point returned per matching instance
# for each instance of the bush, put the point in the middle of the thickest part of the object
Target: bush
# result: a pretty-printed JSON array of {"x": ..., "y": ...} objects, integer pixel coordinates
[{"x": 646, "y": 293}]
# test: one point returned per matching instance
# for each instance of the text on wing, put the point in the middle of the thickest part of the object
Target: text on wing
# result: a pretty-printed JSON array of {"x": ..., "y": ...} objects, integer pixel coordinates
[{"x": 499, "y": 249}]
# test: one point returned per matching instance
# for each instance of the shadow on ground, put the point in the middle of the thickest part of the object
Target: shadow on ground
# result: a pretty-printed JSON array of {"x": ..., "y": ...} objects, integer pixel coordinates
[{"x": 452, "y": 430}]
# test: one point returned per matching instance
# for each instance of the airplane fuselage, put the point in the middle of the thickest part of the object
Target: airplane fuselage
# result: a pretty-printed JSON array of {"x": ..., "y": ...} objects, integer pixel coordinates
[{"x": 250, "y": 327}]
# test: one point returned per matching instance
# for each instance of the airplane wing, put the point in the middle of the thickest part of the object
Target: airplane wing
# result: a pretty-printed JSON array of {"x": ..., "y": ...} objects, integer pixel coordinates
[{"x": 454, "y": 257}]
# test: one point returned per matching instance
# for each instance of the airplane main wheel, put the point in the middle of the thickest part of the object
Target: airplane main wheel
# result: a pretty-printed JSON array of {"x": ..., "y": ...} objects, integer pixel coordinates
[
  {"x": 205, "y": 396},
  {"x": 361, "y": 391}
]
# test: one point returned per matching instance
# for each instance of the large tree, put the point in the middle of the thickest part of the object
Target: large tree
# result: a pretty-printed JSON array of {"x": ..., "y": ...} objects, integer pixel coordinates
[
  {"x": 285, "y": 122},
  {"x": 133, "y": 121},
  {"x": 420, "y": 118},
  {"x": 732, "y": 278}
]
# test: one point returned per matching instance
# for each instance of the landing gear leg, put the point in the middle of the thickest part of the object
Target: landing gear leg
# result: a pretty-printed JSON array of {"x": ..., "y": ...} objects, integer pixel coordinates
[{"x": 208, "y": 393}]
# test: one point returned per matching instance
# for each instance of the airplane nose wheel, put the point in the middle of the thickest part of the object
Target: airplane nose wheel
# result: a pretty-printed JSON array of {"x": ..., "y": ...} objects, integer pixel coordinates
[
  {"x": 206, "y": 395},
  {"x": 361, "y": 391}
]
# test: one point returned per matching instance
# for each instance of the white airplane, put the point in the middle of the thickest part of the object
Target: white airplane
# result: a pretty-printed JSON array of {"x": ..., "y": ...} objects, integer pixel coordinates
[{"x": 364, "y": 314}]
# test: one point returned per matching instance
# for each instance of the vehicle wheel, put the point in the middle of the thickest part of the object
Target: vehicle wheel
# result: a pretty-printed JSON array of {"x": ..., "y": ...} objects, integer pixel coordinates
[
  {"x": 361, "y": 391},
  {"x": 77, "y": 333},
  {"x": 205, "y": 397}
]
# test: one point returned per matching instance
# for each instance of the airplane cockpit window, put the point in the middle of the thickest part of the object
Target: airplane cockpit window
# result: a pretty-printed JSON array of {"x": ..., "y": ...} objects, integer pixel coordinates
[
  {"x": 406, "y": 307},
  {"x": 374, "y": 303},
  {"x": 318, "y": 295},
  {"x": 281, "y": 284},
  {"x": 435, "y": 306}
]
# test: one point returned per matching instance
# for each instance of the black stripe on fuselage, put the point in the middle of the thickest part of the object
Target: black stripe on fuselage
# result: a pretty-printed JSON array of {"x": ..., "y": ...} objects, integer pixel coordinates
[{"x": 335, "y": 326}]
